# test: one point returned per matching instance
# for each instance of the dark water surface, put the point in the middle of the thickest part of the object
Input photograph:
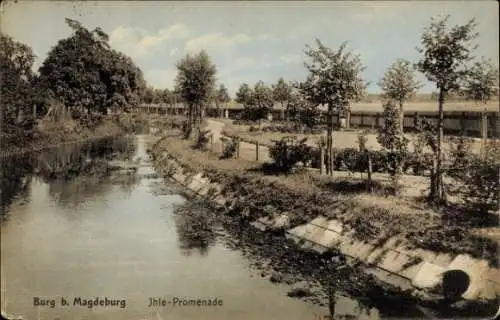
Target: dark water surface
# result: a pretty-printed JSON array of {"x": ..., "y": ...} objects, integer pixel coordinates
[{"x": 75, "y": 228}]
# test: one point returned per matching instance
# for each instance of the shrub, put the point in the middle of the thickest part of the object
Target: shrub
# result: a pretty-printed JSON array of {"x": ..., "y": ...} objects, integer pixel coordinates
[
  {"x": 230, "y": 146},
  {"x": 288, "y": 151},
  {"x": 202, "y": 140}
]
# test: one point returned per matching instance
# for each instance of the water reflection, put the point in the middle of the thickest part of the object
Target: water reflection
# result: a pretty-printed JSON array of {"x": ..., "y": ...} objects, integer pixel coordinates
[
  {"x": 15, "y": 179},
  {"x": 73, "y": 172},
  {"x": 195, "y": 229}
]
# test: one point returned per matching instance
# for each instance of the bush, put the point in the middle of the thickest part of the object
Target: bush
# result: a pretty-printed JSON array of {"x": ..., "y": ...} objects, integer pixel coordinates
[
  {"x": 288, "y": 151},
  {"x": 230, "y": 146},
  {"x": 202, "y": 140}
]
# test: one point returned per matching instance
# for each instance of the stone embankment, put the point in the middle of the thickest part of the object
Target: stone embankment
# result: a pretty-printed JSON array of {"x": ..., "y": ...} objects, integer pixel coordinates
[{"x": 423, "y": 272}]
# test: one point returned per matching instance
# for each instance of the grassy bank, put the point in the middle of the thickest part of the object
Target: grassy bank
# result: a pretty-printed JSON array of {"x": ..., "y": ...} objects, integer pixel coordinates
[
  {"x": 49, "y": 134},
  {"x": 305, "y": 195}
]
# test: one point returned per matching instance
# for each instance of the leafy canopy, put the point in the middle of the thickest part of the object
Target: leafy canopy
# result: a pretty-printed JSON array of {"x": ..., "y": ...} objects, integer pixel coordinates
[
  {"x": 195, "y": 79},
  {"x": 482, "y": 81},
  {"x": 334, "y": 77},
  {"x": 398, "y": 82},
  {"x": 445, "y": 53},
  {"x": 83, "y": 71},
  {"x": 16, "y": 78}
]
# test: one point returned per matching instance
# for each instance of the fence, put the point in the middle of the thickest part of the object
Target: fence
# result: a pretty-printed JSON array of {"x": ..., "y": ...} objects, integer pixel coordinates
[{"x": 472, "y": 123}]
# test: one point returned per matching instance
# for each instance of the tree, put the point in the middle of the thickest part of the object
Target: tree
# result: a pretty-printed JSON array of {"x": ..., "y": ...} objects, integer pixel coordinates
[
  {"x": 303, "y": 111},
  {"x": 391, "y": 138},
  {"x": 195, "y": 82},
  {"x": 148, "y": 95},
  {"x": 16, "y": 79},
  {"x": 444, "y": 55},
  {"x": 282, "y": 93},
  {"x": 85, "y": 74},
  {"x": 263, "y": 99},
  {"x": 481, "y": 86},
  {"x": 245, "y": 96},
  {"x": 334, "y": 81},
  {"x": 222, "y": 97},
  {"x": 399, "y": 84}
]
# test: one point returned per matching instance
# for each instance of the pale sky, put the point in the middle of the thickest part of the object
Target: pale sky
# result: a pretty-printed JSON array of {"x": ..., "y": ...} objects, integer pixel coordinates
[{"x": 249, "y": 41}]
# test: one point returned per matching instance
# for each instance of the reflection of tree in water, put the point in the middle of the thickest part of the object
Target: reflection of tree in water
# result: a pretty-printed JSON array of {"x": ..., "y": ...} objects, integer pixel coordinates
[
  {"x": 78, "y": 172},
  {"x": 15, "y": 179},
  {"x": 194, "y": 229}
]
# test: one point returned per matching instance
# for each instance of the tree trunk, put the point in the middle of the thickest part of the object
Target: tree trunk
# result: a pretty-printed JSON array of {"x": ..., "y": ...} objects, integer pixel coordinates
[
  {"x": 282, "y": 111},
  {"x": 401, "y": 117},
  {"x": 484, "y": 131},
  {"x": 329, "y": 142},
  {"x": 437, "y": 192}
]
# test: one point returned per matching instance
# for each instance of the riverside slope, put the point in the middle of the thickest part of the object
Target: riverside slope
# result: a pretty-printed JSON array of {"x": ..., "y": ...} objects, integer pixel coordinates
[{"x": 392, "y": 261}]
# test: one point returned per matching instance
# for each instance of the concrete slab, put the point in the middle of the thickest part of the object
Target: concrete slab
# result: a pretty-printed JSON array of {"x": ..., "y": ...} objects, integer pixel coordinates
[
  {"x": 411, "y": 271},
  {"x": 475, "y": 269},
  {"x": 336, "y": 226},
  {"x": 428, "y": 276}
]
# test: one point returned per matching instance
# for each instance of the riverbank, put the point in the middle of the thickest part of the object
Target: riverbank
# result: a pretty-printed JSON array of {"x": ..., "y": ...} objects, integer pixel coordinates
[
  {"x": 50, "y": 134},
  {"x": 404, "y": 247}
]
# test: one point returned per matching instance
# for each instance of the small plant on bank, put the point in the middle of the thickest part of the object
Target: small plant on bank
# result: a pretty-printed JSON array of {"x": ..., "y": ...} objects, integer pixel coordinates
[
  {"x": 202, "y": 140},
  {"x": 288, "y": 151},
  {"x": 230, "y": 146}
]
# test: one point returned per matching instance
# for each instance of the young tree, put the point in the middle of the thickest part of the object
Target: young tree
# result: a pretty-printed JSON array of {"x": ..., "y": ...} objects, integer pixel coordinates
[
  {"x": 399, "y": 84},
  {"x": 222, "y": 97},
  {"x": 334, "y": 81},
  {"x": 16, "y": 78},
  {"x": 195, "y": 82},
  {"x": 282, "y": 93},
  {"x": 481, "y": 86},
  {"x": 263, "y": 99},
  {"x": 391, "y": 138},
  {"x": 245, "y": 96},
  {"x": 302, "y": 110},
  {"x": 444, "y": 55}
]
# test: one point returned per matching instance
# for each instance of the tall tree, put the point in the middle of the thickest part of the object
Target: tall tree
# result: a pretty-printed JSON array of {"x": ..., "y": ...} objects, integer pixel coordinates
[
  {"x": 85, "y": 74},
  {"x": 263, "y": 99},
  {"x": 481, "y": 86},
  {"x": 445, "y": 53},
  {"x": 245, "y": 96},
  {"x": 195, "y": 82},
  {"x": 282, "y": 93},
  {"x": 16, "y": 78},
  {"x": 222, "y": 97},
  {"x": 399, "y": 84},
  {"x": 334, "y": 81}
]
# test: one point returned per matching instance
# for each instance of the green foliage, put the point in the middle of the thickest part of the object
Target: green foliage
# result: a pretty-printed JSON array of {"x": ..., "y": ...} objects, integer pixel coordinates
[
  {"x": 289, "y": 151},
  {"x": 86, "y": 75},
  {"x": 479, "y": 175},
  {"x": 334, "y": 77},
  {"x": 257, "y": 102},
  {"x": 230, "y": 146},
  {"x": 399, "y": 82},
  {"x": 302, "y": 110},
  {"x": 16, "y": 90},
  {"x": 282, "y": 92},
  {"x": 445, "y": 53},
  {"x": 481, "y": 85},
  {"x": 391, "y": 138},
  {"x": 195, "y": 83},
  {"x": 202, "y": 140},
  {"x": 223, "y": 95}
]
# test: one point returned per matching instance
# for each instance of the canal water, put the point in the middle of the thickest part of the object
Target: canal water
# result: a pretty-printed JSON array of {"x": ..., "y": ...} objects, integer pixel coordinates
[{"x": 94, "y": 224}]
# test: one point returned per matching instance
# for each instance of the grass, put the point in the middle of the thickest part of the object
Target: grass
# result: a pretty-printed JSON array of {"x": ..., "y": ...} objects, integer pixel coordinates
[{"x": 306, "y": 194}]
